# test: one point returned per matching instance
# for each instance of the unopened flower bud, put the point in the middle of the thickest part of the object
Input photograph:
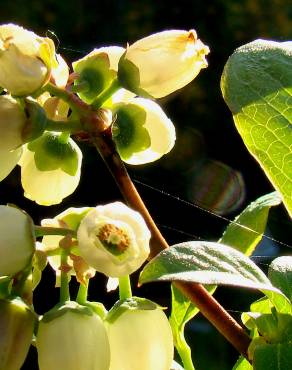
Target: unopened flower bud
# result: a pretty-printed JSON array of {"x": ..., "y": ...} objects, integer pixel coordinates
[
  {"x": 142, "y": 131},
  {"x": 72, "y": 337},
  {"x": 60, "y": 73},
  {"x": 162, "y": 63},
  {"x": 25, "y": 60},
  {"x": 8, "y": 160},
  {"x": 113, "y": 239},
  {"x": 140, "y": 336},
  {"x": 50, "y": 169},
  {"x": 12, "y": 123},
  {"x": 17, "y": 241},
  {"x": 17, "y": 325}
]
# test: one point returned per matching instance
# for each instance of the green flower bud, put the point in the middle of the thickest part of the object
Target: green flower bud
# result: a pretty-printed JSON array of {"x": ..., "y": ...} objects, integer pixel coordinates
[
  {"x": 50, "y": 169},
  {"x": 16, "y": 330},
  {"x": 17, "y": 242},
  {"x": 140, "y": 336},
  {"x": 113, "y": 239},
  {"x": 162, "y": 63},
  {"x": 26, "y": 60},
  {"x": 142, "y": 131},
  {"x": 72, "y": 337}
]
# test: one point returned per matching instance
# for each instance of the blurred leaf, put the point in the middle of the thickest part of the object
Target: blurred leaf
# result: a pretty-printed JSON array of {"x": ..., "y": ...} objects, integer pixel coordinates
[
  {"x": 280, "y": 274},
  {"x": 248, "y": 228},
  {"x": 273, "y": 357},
  {"x": 216, "y": 186},
  {"x": 257, "y": 87}
]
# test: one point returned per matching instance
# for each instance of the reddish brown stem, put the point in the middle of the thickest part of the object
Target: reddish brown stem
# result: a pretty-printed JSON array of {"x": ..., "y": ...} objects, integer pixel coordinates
[{"x": 208, "y": 306}]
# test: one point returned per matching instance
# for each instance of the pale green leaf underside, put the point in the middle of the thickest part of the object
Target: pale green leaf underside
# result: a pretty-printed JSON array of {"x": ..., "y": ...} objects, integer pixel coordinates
[
  {"x": 248, "y": 228},
  {"x": 257, "y": 87}
]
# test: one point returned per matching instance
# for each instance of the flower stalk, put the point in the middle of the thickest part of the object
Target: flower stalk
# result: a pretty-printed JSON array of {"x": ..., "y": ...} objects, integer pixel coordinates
[{"x": 125, "y": 290}]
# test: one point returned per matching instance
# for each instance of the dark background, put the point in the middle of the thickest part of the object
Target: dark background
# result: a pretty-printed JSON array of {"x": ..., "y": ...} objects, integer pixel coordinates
[{"x": 209, "y": 177}]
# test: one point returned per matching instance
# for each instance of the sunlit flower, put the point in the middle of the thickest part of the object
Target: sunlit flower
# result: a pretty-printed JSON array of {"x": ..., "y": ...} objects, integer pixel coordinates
[
  {"x": 50, "y": 169},
  {"x": 60, "y": 73},
  {"x": 162, "y": 63},
  {"x": 142, "y": 131},
  {"x": 113, "y": 239},
  {"x": 148, "y": 344},
  {"x": 25, "y": 60},
  {"x": 73, "y": 338},
  {"x": 17, "y": 242}
]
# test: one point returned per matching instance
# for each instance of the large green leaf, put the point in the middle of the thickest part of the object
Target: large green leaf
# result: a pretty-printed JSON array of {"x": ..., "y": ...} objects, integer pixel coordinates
[
  {"x": 248, "y": 228},
  {"x": 205, "y": 263},
  {"x": 273, "y": 357},
  {"x": 280, "y": 274},
  {"x": 257, "y": 87}
]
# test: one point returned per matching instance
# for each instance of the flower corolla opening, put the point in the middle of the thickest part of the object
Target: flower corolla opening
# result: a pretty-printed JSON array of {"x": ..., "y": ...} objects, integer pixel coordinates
[{"x": 114, "y": 239}]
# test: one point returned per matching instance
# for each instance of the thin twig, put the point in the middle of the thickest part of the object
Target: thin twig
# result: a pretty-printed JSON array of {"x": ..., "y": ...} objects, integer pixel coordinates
[{"x": 207, "y": 304}]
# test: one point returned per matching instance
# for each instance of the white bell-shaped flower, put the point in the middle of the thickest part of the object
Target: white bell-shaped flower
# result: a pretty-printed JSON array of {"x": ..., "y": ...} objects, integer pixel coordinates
[
  {"x": 114, "y": 239},
  {"x": 162, "y": 63},
  {"x": 50, "y": 169},
  {"x": 17, "y": 241},
  {"x": 26, "y": 60},
  {"x": 142, "y": 131},
  {"x": 140, "y": 339},
  {"x": 73, "y": 338}
]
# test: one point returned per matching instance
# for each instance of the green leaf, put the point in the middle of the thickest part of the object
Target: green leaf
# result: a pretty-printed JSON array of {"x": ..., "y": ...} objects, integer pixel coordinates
[
  {"x": 280, "y": 274},
  {"x": 262, "y": 305},
  {"x": 257, "y": 87},
  {"x": 248, "y": 228},
  {"x": 205, "y": 263},
  {"x": 182, "y": 310},
  {"x": 273, "y": 327},
  {"x": 242, "y": 364},
  {"x": 273, "y": 357}
]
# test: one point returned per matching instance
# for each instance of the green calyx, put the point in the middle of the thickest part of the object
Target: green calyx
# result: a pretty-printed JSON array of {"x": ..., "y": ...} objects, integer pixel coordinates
[
  {"x": 52, "y": 153},
  {"x": 61, "y": 308},
  {"x": 73, "y": 217},
  {"x": 133, "y": 303},
  {"x": 129, "y": 77},
  {"x": 94, "y": 75},
  {"x": 36, "y": 120},
  {"x": 129, "y": 132}
]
